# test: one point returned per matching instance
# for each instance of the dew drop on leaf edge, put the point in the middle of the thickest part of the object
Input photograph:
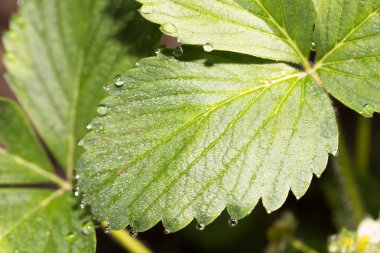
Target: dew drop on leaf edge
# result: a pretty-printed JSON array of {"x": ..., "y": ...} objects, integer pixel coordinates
[
  {"x": 166, "y": 231},
  {"x": 233, "y": 223},
  {"x": 208, "y": 47},
  {"x": 119, "y": 81},
  {"x": 313, "y": 46},
  {"x": 102, "y": 110},
  {"x": 133, "y": 233},
  {"x": 107, "y": 230},
  {"x": 368, "y": 110},
  {"x": 200, "y": 227},
  {"x": 169, "y": 28},
  {"x": 178, "y": 52},
  {"x": 147, "y": 8},
  {"x": 76, "y": 191}
]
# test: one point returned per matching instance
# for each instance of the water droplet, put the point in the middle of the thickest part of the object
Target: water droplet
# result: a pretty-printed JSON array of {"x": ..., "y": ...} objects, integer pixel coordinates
[
  {"x": 119, "y": 81},
  {"x": 89, "y": 126},
  {"x": 169, "y": 28},
  {"x": 107, "y": 87},
  {"x": 200, "y": 227},
  {"x": 166, "y": 231},
  {"x": 102, "y": 110},
  {"x": 80, "y": 142},
  {"x": 76, "y": 177},
  {"x": 208, "y": 47},
  {"x": 107, "y": 230},
  {"x": 233, "y": 223},
  {"x": 368, "y": 111},
  {"x": 70, "y": 237},
  {"x": 82, "y": 205},
  {"x": 157, "y": 51},
  {"x": 147, "y": 8},
  {"x": 76, "y": 191},
  {"x": 178, "y": 52},
  {"x": 313, "y": 46},
  {"x": 335, "y": 153},
  {"x": 133, "y": 233},
  {"x": 88, "y": 228}
]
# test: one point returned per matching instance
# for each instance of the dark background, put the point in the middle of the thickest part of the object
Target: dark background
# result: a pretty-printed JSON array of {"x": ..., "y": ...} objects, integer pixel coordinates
[{"x": 312, "y": 211}]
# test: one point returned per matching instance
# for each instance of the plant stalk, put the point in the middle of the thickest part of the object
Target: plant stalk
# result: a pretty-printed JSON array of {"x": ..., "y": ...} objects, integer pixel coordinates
[
  {"x": 129, "y": 243},
  {"x": 345, "y": 172},
  {"x": 363, "y": 144},
  {"x": 300, "y": 246}
]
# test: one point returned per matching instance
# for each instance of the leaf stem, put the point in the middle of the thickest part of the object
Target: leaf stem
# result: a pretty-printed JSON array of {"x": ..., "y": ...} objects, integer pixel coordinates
[
  {"x": 298, "y": 245},
  {"x": 127, "y": 242},
  {"x": 37, "y": 169},
  {"x": 345, "y": 173},
  {"x": 363, "y": 144}
]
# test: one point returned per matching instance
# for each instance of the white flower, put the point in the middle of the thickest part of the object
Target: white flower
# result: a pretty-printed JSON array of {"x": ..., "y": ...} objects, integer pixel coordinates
[{"x": 370, "y": 228}]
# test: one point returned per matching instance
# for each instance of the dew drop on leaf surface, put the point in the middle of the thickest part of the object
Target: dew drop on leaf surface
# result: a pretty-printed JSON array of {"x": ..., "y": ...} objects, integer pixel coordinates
[
  {"x": 107, "y": 87},
  {"x": 87, "y": 228},
  {"x": 70, "y": 237}
]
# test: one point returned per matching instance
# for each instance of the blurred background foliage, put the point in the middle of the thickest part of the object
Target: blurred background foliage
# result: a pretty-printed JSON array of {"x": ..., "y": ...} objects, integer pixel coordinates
[{"x": 347, "y": 192}]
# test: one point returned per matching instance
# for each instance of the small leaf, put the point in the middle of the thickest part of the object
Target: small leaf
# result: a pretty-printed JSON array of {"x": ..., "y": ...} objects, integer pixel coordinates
[
  {"x": 278, "y": 30},
  {"x": 36, "y": 220},
  {"x": 63, "y": 52},
  {"x": 348, "y": 49},
  {"x": 32, "y": 219},
  {"x": 183, "y": 139},
  {"x": 22, "y": 159}
]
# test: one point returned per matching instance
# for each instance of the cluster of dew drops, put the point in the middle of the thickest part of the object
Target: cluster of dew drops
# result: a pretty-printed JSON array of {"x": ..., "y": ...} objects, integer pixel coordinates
[
  {"x": 88, "y": 227},
  {"x": 120, "y": 81}
]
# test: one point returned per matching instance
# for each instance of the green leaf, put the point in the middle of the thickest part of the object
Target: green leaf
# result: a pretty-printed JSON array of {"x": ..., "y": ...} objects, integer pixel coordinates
[
  {"x": 22, "y": 159},
  {"x": 348, "y": 49},
  {"x": 60, "y": 54},
  {"x": 37, "y": 220},
  {"x": 32, "y": 219},
  {"x": 185, "y": 138},
  {"x": 278, "y": 30}
]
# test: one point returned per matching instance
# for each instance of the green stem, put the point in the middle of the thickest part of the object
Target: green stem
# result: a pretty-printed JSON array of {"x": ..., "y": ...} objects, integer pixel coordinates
[
  {"x": 345, "y": 172},
  {"x": 300, "y": 246},
  {"x": 363, "y": 144},
  {"x": 129, "y": 243}
]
